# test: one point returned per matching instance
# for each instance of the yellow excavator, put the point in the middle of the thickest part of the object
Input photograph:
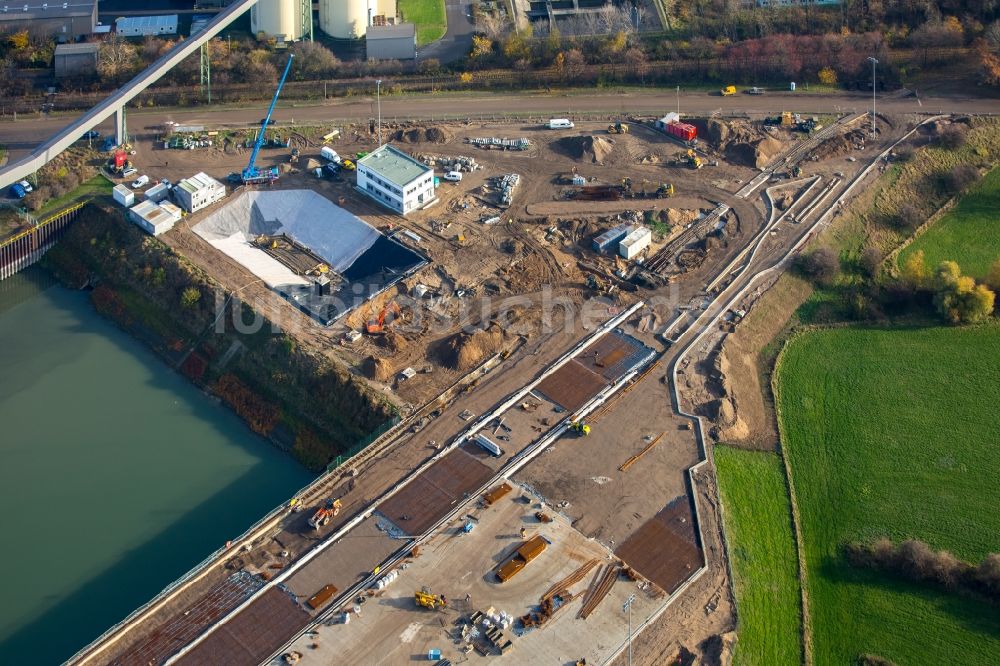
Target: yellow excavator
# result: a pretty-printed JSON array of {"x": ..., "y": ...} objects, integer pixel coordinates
[
  {"x": 693, "y": 160},
  {"x": 580, "y": 428},
  {"x": 618, "y": 128},
  {"x": 425, "y": 598}
]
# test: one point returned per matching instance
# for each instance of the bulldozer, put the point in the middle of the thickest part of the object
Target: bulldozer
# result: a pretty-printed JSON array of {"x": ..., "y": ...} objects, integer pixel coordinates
[
  {"x": 425, "y": 598},
  {"x": 580, "y": 428},
  {"x": 618, "y": 128},
  {"x": 665, "y": 190},
  {"x": 324, "y": 514},
  {"x": 376, "y": 325}
]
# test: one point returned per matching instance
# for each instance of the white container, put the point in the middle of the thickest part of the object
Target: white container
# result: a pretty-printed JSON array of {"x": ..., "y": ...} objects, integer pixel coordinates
[
  {"x": 635, "y": 242},
  {"x": 123, "y": 195},
  {"x": 158, "y": 192}
]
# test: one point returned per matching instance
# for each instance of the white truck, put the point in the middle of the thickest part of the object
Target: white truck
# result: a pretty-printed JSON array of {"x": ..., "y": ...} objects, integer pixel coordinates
[{"x": 328, "y": 153}]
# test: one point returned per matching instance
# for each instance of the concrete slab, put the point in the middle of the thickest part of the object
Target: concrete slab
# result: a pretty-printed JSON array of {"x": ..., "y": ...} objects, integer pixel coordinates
[{"x": 391, "y": 629}]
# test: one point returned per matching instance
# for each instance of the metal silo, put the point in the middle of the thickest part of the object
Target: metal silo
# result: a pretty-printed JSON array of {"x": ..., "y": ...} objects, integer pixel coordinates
[
  {"x": 285, "y": 19},
  {"x": 345, "y": 19}
]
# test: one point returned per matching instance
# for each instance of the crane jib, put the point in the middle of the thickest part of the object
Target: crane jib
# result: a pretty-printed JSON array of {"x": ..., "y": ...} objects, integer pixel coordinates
[{"x": 251, "y": 173}]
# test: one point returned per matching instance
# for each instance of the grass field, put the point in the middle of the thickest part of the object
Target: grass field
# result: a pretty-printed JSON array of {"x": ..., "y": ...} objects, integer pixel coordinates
[
  {"x": 894, "y": 433},
  {"x": 95, "y": 187},
  {"x": 758, "y": 526},
  {"x": 969, "y": 233},
  {"x": 427, "y": 16}
]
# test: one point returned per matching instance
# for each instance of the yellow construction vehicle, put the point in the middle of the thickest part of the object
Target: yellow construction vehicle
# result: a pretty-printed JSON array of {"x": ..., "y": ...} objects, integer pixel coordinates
[
  {"x": 693, "y": 160},
  {"x": 618, "y": 128},
  {"x": 787, "y": 118},
  {"x": 665, "y": 190},
  {"x": 580, "y": 428},
  {"x": 425, "y": 598},
  {"x": 727, "y": 91},
  {"x": 325, "y": 513}
]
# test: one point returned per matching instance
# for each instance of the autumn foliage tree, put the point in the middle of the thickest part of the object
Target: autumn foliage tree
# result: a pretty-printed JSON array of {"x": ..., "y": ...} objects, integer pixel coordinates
[{"x": 958, "y": 298}]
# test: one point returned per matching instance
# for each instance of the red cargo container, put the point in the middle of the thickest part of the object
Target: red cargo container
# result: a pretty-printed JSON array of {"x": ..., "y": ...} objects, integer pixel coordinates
[
  {"x": 120, "y": 158},
  {"x": 682, "y": 131}
]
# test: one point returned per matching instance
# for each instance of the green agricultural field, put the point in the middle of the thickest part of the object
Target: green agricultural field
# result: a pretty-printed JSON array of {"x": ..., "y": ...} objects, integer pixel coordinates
[
  {"x": 969, "y": 233},
  {"x": 427, "y": 16},
  {"x": 758, "y": 526},
  {"x": 894, "y": 433}
]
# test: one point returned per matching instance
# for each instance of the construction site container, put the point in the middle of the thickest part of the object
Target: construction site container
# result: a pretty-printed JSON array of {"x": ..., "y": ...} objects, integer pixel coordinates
[
  {"x": 682, "y": 131},
  {"x": 123, "y": 195},
  {"x": 320, "y": 598},
  {"x": 510, "y": 568},
  {"x": 607, "y": 240},
  {"x": 489, "y": 445},
  {"x": 158, "y": 192},
  {"x": 635, "y": 242},
  {"x": 532, "y": 548},
  {"x": 662, "y": 123},
  {"x": 497, "y": 493}
]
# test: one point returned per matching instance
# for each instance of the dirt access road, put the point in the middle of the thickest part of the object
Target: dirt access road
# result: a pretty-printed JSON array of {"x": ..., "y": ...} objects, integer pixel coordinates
[{"x": 22, "y": 136}]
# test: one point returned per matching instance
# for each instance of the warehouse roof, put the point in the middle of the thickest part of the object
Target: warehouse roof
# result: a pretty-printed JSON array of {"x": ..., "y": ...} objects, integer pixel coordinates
[
  {"x": 394, "y": 165},
  {"x": 20, "y": 11},
  {"x": 398, "y": 31},
  {"x": 147, "y": 23},
  {"x": 199, "y": 181}
]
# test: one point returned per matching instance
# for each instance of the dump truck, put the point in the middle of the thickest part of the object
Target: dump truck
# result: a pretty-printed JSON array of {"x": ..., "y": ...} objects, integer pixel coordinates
[
  {"x": 618, "y": 128},
  {"x": 728, "y": 90},
  {"x": 519, "y": 559}
]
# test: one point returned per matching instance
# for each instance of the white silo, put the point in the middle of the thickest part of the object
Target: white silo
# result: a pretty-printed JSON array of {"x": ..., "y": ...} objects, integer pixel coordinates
[
  {"x": 345, "y": 19},
  {"x": 278, "y": 18}
]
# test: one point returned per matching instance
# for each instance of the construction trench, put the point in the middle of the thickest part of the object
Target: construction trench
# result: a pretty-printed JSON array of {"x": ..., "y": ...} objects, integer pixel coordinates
[{"x": 631, "y": 505}]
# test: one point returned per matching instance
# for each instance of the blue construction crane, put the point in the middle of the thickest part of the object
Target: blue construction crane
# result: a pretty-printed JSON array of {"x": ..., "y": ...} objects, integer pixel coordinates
[{"x": 252, "y": 175}]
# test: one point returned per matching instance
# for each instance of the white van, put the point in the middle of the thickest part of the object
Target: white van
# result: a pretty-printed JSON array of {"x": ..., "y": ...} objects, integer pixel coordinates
[
  {"x": 141, "y": 181},
  {"x": 329, "y": 153},
  {"x": 560, "y": 123}
]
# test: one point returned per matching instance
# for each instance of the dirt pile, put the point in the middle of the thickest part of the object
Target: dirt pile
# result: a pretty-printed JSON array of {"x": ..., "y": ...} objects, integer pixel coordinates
[
  {"x": 423, "y": 135},
  {"x": 392, "y": 342},
  {"x": 376, "y": 368},
  {"x": 755, "y": 154},
  {"x": 839, "y": 145},
  {"x": 681, "y": 217},
  {"x": 464, "y": 351},
  {"x": 593, "y": 149}
]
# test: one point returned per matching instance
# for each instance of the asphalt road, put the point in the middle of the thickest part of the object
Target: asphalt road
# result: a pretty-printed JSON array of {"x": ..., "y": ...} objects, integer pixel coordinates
[
  {"x": 24, "y": 134},
  {"x": 457, "y": 42}
]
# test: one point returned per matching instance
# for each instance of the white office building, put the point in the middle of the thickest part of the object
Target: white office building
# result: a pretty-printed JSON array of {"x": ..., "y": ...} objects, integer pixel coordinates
[
  {"x": 396, "y": 180},
  {"x": 198, "y": 191},
  {"x": 154, "y": 218}
]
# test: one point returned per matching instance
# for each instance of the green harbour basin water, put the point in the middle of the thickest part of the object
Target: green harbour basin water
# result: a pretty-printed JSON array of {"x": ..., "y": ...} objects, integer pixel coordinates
[{"x": 116, "y": 474}]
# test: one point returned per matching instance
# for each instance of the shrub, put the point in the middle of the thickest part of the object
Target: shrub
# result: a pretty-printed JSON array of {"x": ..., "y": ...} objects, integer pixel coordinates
[
  {"x": 870, "y": 261},
  {"x": 959, "y": 178},
  {"x": 822, "y": 266},
  {"x": 952, "y": 137}
]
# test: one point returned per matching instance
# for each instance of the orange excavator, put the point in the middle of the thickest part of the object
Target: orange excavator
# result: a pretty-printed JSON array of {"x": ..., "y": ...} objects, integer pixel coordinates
[
  {"x": 324, "y": 514},
  {"x": 376, "y": 325}
]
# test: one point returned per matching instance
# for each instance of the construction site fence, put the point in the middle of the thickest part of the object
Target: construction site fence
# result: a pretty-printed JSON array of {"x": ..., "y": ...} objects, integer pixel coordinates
[
  {"x": 654, "y": 73},
  {"x": 27, "y": 246},
  {"x": 364, "y": 443}
]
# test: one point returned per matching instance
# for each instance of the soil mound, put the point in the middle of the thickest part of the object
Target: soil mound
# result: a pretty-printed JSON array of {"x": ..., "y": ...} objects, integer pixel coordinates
[
  {"x": 392, "y": 341},
  {"x": 593, "y": 149},
  {"x": 378, "y": 369},
  {"x": 754, "y": 154},
  {"x": 464, "y": 351},
  {"x": 422, "y": 135}
]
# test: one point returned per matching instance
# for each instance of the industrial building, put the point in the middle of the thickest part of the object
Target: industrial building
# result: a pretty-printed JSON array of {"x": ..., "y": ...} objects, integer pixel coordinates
[
  {"x": 66, "y": 21},
  {"x": 284, "y": 20},
  {"x": 635, "y": 242},
  {"x": 391, "y": 42},
  {"x": 75, "y": 59},
  {"x": 350, "y": 19},
  {"x": 146, "y": 26},
  {"x": 154, "y": 218},
  {"x": 198, "y": 191},
  {"x": 604, "y": 242},
  {"x": 395, "y": 179}
]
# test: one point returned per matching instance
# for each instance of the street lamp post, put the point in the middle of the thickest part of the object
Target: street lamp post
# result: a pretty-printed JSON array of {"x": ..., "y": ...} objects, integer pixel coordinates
[
  {"x": 678, "y": 100},
  {"x": 874, "y": 62},
  {"x": 378, "y": 98},
  {"x": 627, "y": 607}
]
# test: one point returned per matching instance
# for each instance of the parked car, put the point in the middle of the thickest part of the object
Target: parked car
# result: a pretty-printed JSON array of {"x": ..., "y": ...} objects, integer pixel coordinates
[
  {"x": 21, "y": 189},
  {"x": 129, "y": 172},
  {"x": 755, "y": 91},
  {"x": 92, "y": 134},
  {"x": 109, "y": 144},
  {"x": 348, "y": 164},
  {"x": 453, "y": 176},
  {"x": 141, "y": 181}
]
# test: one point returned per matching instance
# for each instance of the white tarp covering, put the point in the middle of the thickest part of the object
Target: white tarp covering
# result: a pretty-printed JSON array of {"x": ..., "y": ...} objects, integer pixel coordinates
[{"x": 325, "y": 228}]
